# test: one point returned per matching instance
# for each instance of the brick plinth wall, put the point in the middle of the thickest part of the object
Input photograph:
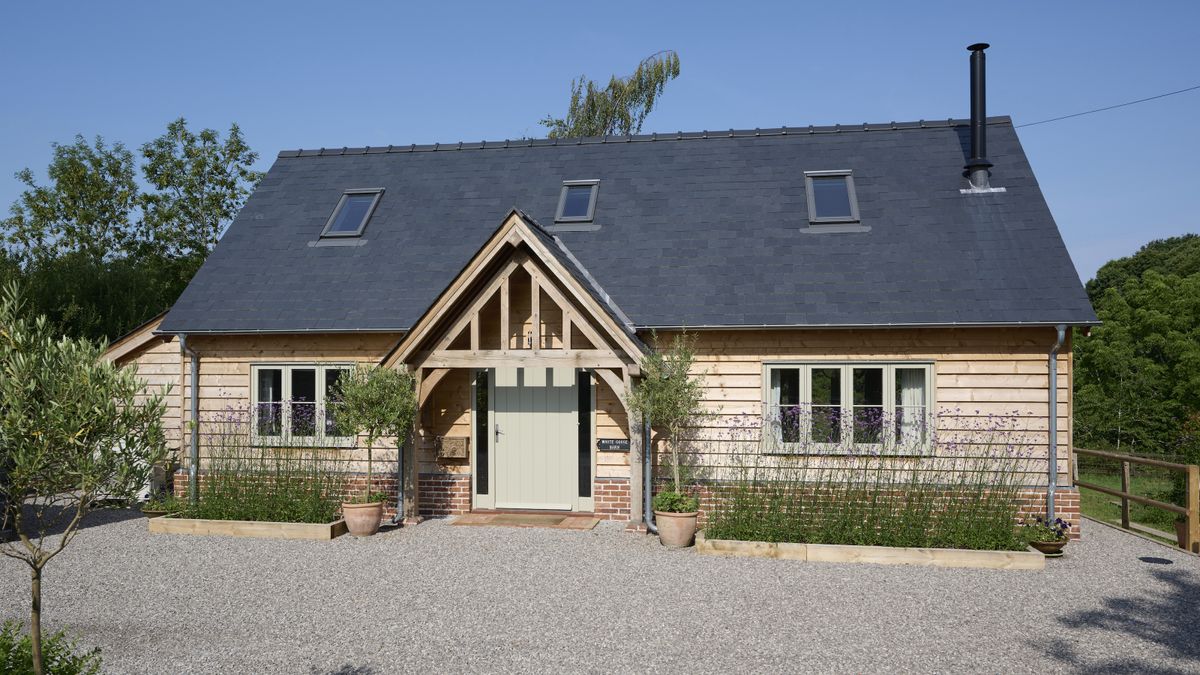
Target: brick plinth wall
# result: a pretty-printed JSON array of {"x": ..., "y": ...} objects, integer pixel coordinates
[
  {"x": 443, "y": 494},
  {"x": 611, "y": 497},
  {"x": 1066, "y": 506}
]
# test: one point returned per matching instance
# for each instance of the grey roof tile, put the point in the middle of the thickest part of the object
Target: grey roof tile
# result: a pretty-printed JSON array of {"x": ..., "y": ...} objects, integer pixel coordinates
[{"x": 693, "y": 232}]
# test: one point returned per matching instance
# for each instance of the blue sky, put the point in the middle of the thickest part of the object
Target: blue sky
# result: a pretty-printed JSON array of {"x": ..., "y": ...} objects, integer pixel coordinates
[{"x": 300, "y": 74}]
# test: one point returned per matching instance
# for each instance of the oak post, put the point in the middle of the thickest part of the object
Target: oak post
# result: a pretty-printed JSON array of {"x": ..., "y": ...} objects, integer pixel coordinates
[
  {"x": 1125, "y": 482},
  {"x": 1193, "y": 507}
]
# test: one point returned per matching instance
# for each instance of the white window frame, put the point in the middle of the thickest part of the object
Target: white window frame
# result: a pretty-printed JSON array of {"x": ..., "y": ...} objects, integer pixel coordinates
[
  {"x": 772, "y": 432},
  {"x": 319, "y": 439}
]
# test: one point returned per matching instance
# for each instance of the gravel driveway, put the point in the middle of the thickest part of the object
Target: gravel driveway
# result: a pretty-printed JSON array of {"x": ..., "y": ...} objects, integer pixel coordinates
[{"x": 437, "y": 597}]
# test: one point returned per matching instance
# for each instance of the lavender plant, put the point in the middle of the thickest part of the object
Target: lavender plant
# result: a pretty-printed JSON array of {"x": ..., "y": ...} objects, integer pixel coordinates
[
  {"x": 805, "y": 475},
  {"x": 249, "y": 473}
]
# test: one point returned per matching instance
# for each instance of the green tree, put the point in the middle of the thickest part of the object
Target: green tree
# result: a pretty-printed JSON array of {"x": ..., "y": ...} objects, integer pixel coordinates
[
  {"x": 1138, "y": 375},
  {"x": 75, "y": 431},
  {"x": 87, "y": 207},
  {"x": 376, "y": 402},
  {"x": 670, "y": 397},
  {"x": 620, "y": 107},
  {"x": 96, "y": 255},
  {"x": 201, "y": 182}
]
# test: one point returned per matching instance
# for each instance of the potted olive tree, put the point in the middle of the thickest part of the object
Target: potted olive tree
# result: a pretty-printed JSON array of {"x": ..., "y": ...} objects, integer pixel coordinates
[
  {"x": 670, "y": 397},
  {"x": 373, "y": 402}
]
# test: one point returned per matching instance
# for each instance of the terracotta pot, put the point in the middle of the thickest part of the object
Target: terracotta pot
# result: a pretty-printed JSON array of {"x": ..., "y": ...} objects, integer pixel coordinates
[
  {"x": 1051, "y": 549},
  {"x": 362, "y": 520},
  {"x": 676, "y": 530}
]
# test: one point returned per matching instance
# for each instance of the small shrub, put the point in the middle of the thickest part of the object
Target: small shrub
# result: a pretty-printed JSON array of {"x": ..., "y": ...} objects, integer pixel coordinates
[
  {"x": 1041, "y": 530},
  {"x": 60, "y": 654},
  {"x": 675, "y": 502}
]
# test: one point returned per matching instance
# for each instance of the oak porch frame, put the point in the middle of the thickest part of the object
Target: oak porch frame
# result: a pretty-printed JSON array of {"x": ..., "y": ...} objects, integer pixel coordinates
[{"x": 426, "y": 349}]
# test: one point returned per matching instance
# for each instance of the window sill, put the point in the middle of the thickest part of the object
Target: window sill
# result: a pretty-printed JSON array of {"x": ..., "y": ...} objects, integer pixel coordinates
[
  {"x": 868, "y": 451},
  {"x": 317, "y": 442},
  {"x": 835, "y": 227}
]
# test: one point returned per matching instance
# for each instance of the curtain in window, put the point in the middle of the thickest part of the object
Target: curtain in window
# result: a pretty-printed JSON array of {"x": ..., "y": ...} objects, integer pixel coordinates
[{"x": 910, "y": 404}]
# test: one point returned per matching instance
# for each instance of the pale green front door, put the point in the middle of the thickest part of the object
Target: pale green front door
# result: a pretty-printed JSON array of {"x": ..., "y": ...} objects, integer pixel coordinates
[{"x": 535, "y": 456}]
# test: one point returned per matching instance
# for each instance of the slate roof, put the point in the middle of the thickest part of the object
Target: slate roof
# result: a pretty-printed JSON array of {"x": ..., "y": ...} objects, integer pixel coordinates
[{"x": 697, "y": 229}]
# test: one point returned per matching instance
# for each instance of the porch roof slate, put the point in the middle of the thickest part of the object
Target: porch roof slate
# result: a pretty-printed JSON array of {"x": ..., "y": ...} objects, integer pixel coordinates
[{"x": 698, "y": 229}]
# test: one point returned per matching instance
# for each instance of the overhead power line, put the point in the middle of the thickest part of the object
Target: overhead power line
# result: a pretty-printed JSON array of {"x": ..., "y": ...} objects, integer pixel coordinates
[{"x": 1110, "y": 107}]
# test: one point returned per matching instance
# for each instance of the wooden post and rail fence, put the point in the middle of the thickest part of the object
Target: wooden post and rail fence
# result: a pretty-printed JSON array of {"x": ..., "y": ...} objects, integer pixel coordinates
[{"x": 1189, "y": 535}]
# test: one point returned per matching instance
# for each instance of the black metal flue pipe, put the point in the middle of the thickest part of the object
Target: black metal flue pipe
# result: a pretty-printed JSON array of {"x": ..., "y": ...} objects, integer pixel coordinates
[{"x": 978, "y": 165}]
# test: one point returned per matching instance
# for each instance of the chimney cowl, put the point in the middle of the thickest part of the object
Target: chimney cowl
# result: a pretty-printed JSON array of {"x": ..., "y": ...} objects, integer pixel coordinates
[{"x": 977, "y": 167}]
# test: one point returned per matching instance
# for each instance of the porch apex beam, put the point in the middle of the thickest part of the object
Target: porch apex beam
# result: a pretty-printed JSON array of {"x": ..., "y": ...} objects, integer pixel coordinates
[
  {"x": 490, "y": 358},
  {"x": 535, "y": 306},
  {"x": 504, "y": 314}
]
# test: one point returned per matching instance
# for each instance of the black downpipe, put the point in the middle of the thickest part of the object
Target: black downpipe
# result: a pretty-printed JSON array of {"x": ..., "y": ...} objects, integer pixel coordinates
[{"x": 977, "y": 166}]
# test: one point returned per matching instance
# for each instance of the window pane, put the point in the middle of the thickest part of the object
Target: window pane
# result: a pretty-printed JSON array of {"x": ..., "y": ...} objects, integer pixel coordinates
[
  {"x": 910, "y": 386},
  {"x": 826, "y": 424},
  {"x": 332, "y": 376},
  {"x": 785, "y": 399},
  {"x": 910, "y": 406},
  {"x": 831, "y": 197},
  {"x": 868, "y": 386},
  {"x": 353, "y": 212},
  {"x": 826, "y": 386},
  {"x": 868, "y": 405},
  {"x": 304, "y": 402},
  {"x": 268, "y": 420},
  {"x": 482, "y": 437},
  {"x": 578, "y": 201},
  {"x": 785, "y": 386}
]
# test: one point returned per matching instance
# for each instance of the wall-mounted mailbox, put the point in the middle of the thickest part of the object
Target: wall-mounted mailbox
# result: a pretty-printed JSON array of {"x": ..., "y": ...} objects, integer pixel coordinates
[{"x": 452, "y": 448}]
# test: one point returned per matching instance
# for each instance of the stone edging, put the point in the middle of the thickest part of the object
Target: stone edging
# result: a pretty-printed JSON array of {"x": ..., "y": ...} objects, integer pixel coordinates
[
  {"x": 879, "y": 555},
  {"x": 247, "y": 528}
]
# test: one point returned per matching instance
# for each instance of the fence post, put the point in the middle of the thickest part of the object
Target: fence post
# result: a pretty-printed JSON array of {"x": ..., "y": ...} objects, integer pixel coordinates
[
  {"x": 1125, "y": 499},
  {"x": 1193, "y": 507}
]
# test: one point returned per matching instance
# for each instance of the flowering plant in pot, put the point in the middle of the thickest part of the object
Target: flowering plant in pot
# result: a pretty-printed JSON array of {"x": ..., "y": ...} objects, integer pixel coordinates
[
  {"x": 1049, "y": 537},
  {"x": 373, "y": 402},
  {"x": 670, "y": 396}
]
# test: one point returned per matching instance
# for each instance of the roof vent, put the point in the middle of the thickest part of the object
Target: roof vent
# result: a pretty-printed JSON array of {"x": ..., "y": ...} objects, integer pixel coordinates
[{"x": 977, "y": 168}]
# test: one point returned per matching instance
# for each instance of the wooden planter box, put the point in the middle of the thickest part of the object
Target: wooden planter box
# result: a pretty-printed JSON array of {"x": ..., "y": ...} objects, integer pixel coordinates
[
  {"x": 879, "y": 555},
  {"x": 247, "y": 528}
]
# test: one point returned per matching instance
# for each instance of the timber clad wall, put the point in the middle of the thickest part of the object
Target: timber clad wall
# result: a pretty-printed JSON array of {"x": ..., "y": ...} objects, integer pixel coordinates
[
  {"x": 158, "y": 365},
  {"x": 977, "y": 372}
]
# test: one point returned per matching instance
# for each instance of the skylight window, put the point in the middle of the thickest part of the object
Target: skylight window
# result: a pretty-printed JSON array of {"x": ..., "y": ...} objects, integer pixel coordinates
[
  {"x": 577, "y": 203},
  {"x": 831, "y": 197},
  {"x": 352, "y": 213}
]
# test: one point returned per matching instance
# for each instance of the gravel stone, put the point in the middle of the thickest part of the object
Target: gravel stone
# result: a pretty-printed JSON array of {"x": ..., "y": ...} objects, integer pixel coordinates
[{"x": 443, "y": 598}]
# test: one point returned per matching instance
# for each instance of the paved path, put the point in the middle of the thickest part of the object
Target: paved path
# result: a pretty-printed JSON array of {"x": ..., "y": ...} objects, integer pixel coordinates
[{"x": 441, "y": 598}]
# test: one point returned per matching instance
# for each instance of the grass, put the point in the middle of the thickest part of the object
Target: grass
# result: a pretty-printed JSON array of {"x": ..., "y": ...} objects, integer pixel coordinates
[{"x": 1108, "y": 509}]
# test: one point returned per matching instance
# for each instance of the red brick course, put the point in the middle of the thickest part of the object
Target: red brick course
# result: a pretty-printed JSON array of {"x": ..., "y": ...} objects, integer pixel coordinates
[
  {"x": 443, "y": 494},
  {"x": 611, "y": 497}
]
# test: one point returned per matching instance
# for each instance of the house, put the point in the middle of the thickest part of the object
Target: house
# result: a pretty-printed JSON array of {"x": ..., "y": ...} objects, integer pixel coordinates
[{"x": 520, "y": 281}]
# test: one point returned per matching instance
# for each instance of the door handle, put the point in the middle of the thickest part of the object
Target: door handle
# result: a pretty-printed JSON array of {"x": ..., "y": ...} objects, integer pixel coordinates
[{"x": 498, "y": 432}]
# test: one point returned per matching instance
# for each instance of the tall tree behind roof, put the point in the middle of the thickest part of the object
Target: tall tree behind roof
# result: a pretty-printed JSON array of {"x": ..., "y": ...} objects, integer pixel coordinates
[
  {"x": 201, "y": 183},
  {"x": 621, "y": 107}
]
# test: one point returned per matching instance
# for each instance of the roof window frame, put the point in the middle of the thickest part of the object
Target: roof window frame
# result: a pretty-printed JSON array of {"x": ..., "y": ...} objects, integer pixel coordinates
[
  {"x": 562, "y": 201},
  {"x": 327, "y": 234},
  {"x": 810, "y": 195}
]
